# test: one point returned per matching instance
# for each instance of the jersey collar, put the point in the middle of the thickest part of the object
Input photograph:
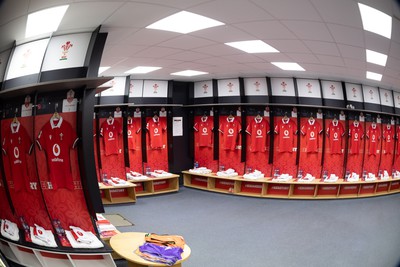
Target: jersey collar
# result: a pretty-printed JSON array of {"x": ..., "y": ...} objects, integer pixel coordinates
[
  {"x": 110, "y": 121},
  {"x": 232, "y": 119},
  {"x": 204, "y": 119},
  {"x": 335, "y": 123},
  {"x": 356, "y": 124},
  {"x": 129, "y": 121},
  {"x": 15, "y": 127},
  {"x": 285, "y": 121},
  {"x": 258, "y": 120},
  {"x": 58, "y": 125},
  {"x": 311, "y": 122}
]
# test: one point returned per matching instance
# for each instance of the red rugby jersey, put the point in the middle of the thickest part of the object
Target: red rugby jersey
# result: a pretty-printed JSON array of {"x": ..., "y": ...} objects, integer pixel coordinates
[
  {"x": 16, "y": 144},
  {"x": 312, "y": 129},
  {"x": 156, "y": 129},
  {"x": 56, "y": 138},
  {"x": 373, "y": 135},
  {"x": 356, "y": 134},
  {"x": 110, "y": 130},
  {"x": 258, "y": 130},
  {"x": 335, "y": 133},
  {"x": 286, "y": 129},
  {"x": 230, "y": 130},
  {"x": 203, "y": 131}
]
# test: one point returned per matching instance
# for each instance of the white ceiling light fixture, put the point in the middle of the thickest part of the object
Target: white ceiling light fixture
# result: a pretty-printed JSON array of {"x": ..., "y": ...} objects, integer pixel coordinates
[
  {"x": 288, "y": 66},
  {"x": 374, "y": 76},
  {"x": 375, "y": 21},
  {"x": 142, "y": 70},
  {"x": 189, "y": 73},
  {"x": 184, "y": 22},
  {"x": 376, "y": 57},
  {"x": 103, "y": 69},
  {"x": 253, "y": 46},
  {"x": 44, "y": 21}
]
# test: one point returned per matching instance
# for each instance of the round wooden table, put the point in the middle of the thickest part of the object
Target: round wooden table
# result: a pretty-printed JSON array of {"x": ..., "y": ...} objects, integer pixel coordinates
[{"x": 125, "y": 245}]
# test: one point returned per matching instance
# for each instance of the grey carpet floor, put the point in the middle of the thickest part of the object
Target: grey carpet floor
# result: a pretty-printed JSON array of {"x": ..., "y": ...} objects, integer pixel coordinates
[{"x": 233, "y": 231}]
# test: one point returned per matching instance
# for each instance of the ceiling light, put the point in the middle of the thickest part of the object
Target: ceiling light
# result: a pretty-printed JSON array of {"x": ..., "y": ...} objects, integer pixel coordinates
[
  {"x": 376, "y": 58},
  {"x": 376, "y": 21},
  {"x": 142, "y": 69},
  {"x": 103, "y": 69},
  {"x": 374, "y": 76},
  {"x": 184, "y": 22},
  {"x": 44, "y": 21},
  {"x": 288, "y": 66},
  {"x": 189, "y": 73},
  {"x": 254, "y": 46}
]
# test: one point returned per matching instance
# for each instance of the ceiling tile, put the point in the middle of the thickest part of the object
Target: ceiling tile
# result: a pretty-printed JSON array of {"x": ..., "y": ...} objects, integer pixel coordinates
[
  {"x": 303, "y": 58},
  {"x": 347, "y": 35},
  {"x": 341, "y": 12},
  {"x": 377, "y": 43},
  {"x": 289, "y": 46},
  {"x": 308, "y": 30},
  {"x": 330, "y": 60},
  {"x": 289, "y": 9},
  {"x": 149, "y": 37},
  {"x": 187, "y": 42},
  {"x": 323, "y": 48},
  {"x": 266, "y": 30},
  {"x": 354, "y": 52}
]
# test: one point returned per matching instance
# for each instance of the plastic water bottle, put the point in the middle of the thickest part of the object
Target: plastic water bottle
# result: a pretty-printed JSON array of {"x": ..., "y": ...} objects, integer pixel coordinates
[
  {"x": 300, "y": 175},
  {"x": 196, "y": 164},
  {"x": 148, "y": 171},
  {"x": 276, "y": 173},
  {"x": 324, "y": 175}
]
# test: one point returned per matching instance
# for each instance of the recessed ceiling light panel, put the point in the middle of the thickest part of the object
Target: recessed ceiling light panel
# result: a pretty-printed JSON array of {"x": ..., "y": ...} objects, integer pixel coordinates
[
  {"x": 375, "y": 21},
  {"x": 253, "y": 46},
  {"x": 184, "y": 22},
  {"x": 374, "y": 76},
  {"x": 189, "y": 73},
  {"x": 44, "y": 21},
  {"x": 142, "y": 70},
  {"x": 288, "y": 66},
  {"x": 376, "y": 57},
  {"x": 103, "y": 69}
]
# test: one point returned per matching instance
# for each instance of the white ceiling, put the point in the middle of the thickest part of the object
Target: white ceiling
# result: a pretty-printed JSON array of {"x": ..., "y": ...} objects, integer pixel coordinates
[{"x": 324, "y": 36}]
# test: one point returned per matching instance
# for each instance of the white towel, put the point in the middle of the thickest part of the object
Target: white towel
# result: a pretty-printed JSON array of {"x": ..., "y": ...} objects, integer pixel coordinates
[
  {"x": 82, "y": 236},
  {"x": 9, "y": 230},
  {"x": 47, "y": 235},
  {"x": 96, "y": 243}
]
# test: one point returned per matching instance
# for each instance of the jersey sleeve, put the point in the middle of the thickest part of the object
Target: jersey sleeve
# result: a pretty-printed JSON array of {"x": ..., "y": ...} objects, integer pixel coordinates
[
  {"x": 40, "y": 140},
  {"x": 276, "y": 129},
  {"x": 320, "y": 130},
  {"x": 268, "y": 129},
  {"x": 4, "y": 145},
  {"x": 221, "y": 128},
  {"x": 248, "y": 128},
  {"x": 195, "y": 127},
  {"x": 303, "y": 130}
]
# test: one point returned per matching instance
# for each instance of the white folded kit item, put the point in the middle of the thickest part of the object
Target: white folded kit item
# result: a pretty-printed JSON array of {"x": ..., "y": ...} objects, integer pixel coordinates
[
  {"x": 307, "y": 178},
  {"x": 200, "y": 170},
  {"x": 332, "y": 178},
  {"x": 385, "y": 175},
  {"x": 115, "y": 181},
  {"x": 135, "y": 176},
  {"x": 42, "y": 237},
  {"x": 9, "y": 230},
  {"x": 160, "y": 173},
  {"x": 284, "y": 177},
  {"x": 397, "y": 174},
  {"x": 354, "y": 177},
  {"x": 79, "y": 238},
  {"x": 254, "y": 175},
  {"x": 228, "y": 173},
  {"x": 370, "y": 177}
]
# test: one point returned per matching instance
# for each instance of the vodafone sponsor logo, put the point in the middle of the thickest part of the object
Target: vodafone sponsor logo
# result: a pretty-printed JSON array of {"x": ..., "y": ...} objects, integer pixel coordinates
[
  {"x": 230, "y": 132},
  {"x": 16, "y": 155},
  {"x": 205, "y": 130},
  {"x": 129, "y": 133},
  {"x": 259, "y": 133},
  {"x": 110, "y": 136},
  {"x": 56, "y": 152},
  {"x": 156, "y": 132}
]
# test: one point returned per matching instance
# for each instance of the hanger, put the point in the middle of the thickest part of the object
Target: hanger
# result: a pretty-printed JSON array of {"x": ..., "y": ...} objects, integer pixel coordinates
[
  {"x": 335, "y": 118},
  {"x": 205, "y": 114},
  {"x": 15, "y": 119},
  {"x": 285, "y": 117},
  {"x": 258, "y": 115},
  {"x": 230, "y": 114},
  {"x": 56, "y": 116},
  {"x": 311, "y": 117}
]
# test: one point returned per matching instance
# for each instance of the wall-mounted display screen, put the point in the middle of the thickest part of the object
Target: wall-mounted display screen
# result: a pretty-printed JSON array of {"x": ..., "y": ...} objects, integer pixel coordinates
[
  {"x": 66, "y": 51},
  {"x": 354, "y": 92},
  {"x": 117, "y": 87},
  {"x": 153, "y": 88},
  {"x": 203, "y": 89},
  {"x": 282, "y": 87},
  {"x": 228, "y": 87},
  {"x": 255, "y": 86},
  {"x": 308, "y": 88},
  {"x": 136, "y": 88},
  {"x": 332, "y": 90},
  {"x": 27, "y": 59}
]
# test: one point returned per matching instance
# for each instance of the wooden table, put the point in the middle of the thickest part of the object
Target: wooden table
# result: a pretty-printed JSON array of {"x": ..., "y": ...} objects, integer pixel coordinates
[{"x": 125, "y": 245}]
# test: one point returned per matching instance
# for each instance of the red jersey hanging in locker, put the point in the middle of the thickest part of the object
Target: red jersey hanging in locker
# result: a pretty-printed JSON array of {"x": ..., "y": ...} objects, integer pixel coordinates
[
  {"x": 132, "y": 132},
  {"x": 16, "y": 144},
  {"x": 156, "y": 129},
  {"x": 110, "y": 130},
  {"x": 258, "y": 130},
  {"x": 356, "y": 134},
  {"x": 311, "y": 130},
  {"x": 230, "y": 133},
  {"x": 373, "y": 135},
  {"x": 286, "y": 129},
  {"x": 203, "y": 130},
  {"x": 56, "y": 138},
  {"x": 388, "y": 139},
  {"x": 335, "y": 133}
]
